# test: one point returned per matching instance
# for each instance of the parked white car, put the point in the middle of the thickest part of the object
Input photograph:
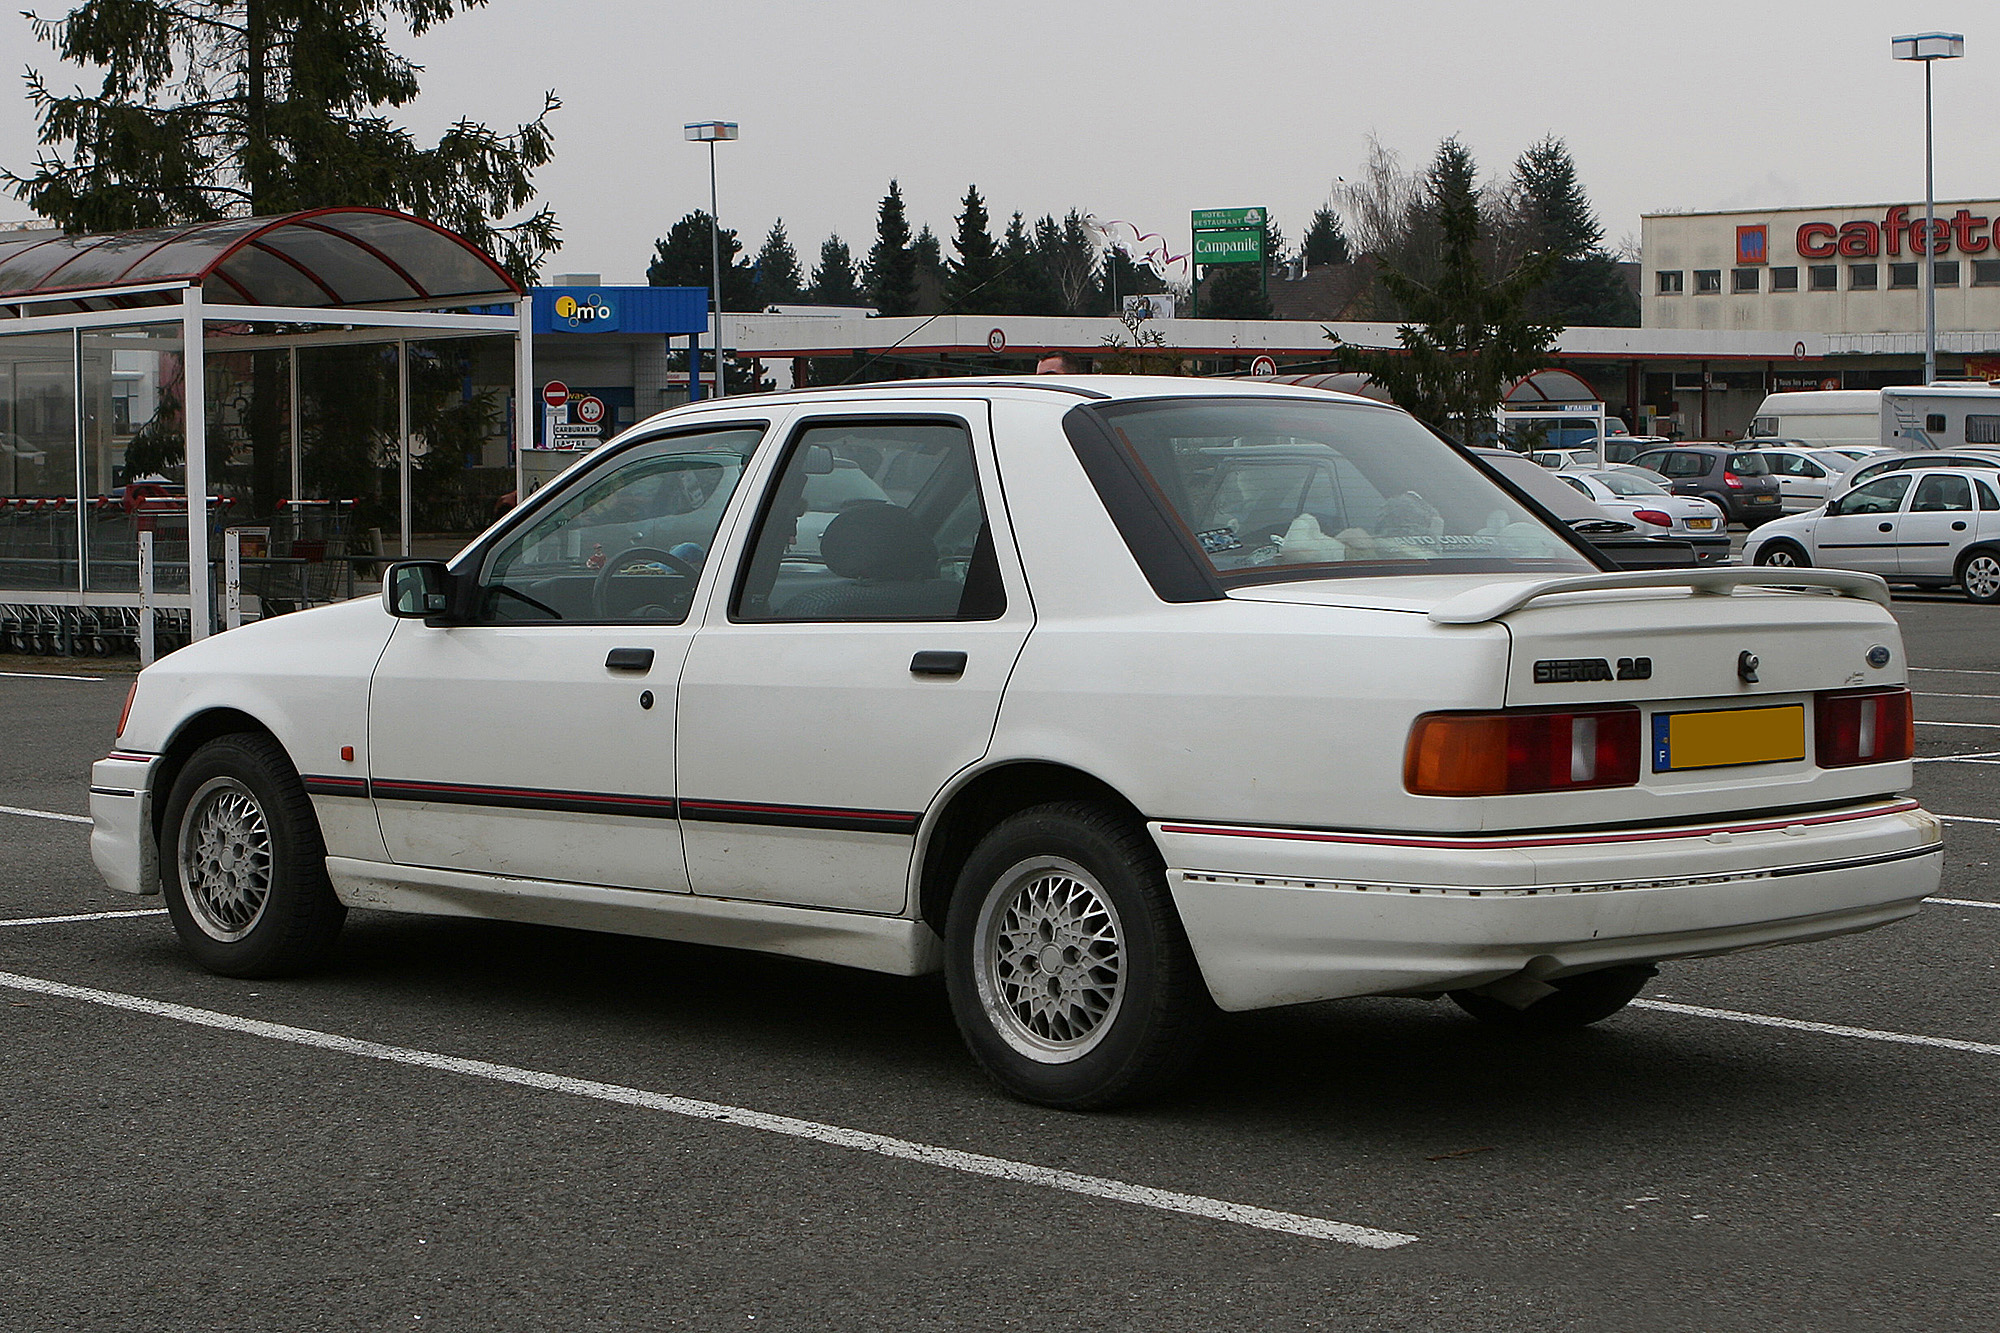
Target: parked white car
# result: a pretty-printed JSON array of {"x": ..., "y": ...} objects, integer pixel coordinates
[
  {"x": 1932, "y": 527},
  {"x": 1884, "y": 464},
  {"x": 1805, "y": 476},
  {"x": 1688, "y": 518},
  {"x": 1133, "y": 699}
]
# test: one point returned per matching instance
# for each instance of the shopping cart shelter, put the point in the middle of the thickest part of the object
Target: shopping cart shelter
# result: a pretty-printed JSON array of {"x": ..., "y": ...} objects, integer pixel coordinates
[{"x": 311, "y": 394}]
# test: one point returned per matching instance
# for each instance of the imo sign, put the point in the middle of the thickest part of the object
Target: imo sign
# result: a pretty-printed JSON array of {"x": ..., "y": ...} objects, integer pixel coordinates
[{"x": 592, "y": 310}]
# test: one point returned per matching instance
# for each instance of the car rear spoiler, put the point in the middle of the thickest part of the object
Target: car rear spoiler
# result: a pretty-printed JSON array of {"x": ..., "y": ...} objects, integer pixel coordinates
[{"x": 1495, "y": 600}]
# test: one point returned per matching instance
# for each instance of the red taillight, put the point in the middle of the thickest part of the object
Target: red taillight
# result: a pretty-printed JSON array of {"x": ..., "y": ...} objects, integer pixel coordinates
[
  {"x": 1653, "y": 516},
  {"x": 1731, "y": 479},
  {"x": 126, "y": 711},
  {"x": 1863, "y": 727},
  {"x": 1493, "y": 754}
]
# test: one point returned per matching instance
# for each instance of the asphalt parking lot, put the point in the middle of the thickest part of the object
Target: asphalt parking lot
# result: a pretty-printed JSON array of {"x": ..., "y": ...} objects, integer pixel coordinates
[{"x": 466, "y": 1125}]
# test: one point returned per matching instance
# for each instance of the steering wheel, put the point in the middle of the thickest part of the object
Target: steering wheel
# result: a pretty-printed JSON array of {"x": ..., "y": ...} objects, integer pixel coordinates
[{"x": 600, "y": 591}]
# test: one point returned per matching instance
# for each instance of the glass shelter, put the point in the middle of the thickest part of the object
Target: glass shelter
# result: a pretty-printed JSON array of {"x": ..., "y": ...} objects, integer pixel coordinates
[{"x": 340, "y": 386}]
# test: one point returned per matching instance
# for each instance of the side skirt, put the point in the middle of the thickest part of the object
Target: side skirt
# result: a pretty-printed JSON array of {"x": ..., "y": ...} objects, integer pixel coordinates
[{"x": 851, "y": 939}]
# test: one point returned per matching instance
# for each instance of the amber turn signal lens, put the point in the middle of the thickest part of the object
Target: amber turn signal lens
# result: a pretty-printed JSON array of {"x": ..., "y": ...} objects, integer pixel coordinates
[
  {"x": 126, "y": 711},
  {"x": 1495, "y": 754}
]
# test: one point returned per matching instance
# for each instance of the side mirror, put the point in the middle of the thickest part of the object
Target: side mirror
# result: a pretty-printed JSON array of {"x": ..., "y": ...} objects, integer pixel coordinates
[
  {"x": 818, "y": 460},
  {"x": 417, "y": 589}
]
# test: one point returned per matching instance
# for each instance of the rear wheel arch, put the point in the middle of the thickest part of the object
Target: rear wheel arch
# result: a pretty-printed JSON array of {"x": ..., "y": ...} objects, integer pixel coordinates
[
  {"x": 988, "y": 798},
  {"x": 1988, "y": 555}
]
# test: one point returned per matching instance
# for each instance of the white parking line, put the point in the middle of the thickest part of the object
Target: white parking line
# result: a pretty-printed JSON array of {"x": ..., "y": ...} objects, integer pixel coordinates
[
  {"x": 44, "y": 675},
  {"x": 1977, "y": 726},
  {"x": 1824, "y": 1029},
  {"x": 1955, "y": 671},
  {"x": 977, "y": 1164},
  {"x": 81, "y": 916},
  {"x": 1951, "y": 694},
  {"x": 1961, "y": 902},
  {"x": 1966, "y": 819},
  {"x": 1986, "y": 755},
  {"x": 44, "y": 814}
]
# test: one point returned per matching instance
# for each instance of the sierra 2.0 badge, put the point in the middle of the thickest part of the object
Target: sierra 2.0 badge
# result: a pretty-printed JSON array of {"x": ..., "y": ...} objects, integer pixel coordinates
[{"x": 1564, "y": 670}]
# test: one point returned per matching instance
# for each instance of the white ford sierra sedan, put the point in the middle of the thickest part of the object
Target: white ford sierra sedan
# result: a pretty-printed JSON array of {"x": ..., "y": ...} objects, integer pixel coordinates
[{"x": 1119, "y": 700}]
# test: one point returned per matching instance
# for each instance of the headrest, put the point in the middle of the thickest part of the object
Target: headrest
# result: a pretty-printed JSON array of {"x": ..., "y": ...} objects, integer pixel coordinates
[{"x": 876, "y": 540}]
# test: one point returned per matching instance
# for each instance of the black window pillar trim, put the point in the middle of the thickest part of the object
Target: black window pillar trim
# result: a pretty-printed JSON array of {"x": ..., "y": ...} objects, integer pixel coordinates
[{"x": 1165, "y": 551}]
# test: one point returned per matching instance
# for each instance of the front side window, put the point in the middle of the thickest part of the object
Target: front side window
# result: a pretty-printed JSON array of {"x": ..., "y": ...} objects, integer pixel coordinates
[
  {"x": 1942, "y": 495},
  {"x": 873, "y": 520},
  {"x": 1884, "y": 495},
  {"x": 626, "y": 542},
  {"x": 1685, "y": 465},
  {"x": 1268, "y": 489}
]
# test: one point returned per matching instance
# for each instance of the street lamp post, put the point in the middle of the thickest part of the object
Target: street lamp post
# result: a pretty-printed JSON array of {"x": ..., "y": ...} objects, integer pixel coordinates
[
  {"x": 1928, "y": 47},
  {"x": 712, "y": 132}
]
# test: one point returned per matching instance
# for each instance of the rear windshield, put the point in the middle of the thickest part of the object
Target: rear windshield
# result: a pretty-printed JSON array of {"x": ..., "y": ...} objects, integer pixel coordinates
[
  {"x": 1749, "y": 465},
  {"x": 1267, "y": 488}
]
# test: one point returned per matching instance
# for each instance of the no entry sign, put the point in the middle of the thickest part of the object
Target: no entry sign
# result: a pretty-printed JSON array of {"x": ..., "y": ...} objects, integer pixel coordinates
[{"x": 555, "y": 393}]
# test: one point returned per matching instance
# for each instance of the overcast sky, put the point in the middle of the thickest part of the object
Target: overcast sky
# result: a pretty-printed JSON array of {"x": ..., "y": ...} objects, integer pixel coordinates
[{"x": 1144, "y": 111}]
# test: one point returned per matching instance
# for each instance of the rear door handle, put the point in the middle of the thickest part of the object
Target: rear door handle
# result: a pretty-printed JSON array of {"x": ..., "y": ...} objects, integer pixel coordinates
[
  {"x": 937, "y": 664},
  {"x": 629, "y": 659},
  {"x": 1958, "y": 526},
  {"x": 1887, "y": 527}
]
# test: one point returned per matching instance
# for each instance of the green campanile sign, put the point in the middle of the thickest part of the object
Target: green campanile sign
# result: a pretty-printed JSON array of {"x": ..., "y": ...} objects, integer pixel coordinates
[{"x": 1228, "y": 235}]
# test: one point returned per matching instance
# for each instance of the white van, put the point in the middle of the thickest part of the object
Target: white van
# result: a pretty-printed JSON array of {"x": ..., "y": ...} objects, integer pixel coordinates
[
  {"x": 1823, "y": 418},
  {"x": 1946, "y": 414}
]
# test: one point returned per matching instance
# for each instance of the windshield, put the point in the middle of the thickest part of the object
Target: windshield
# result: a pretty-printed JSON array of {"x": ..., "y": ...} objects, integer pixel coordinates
[{"x": 1275, "y": 488}]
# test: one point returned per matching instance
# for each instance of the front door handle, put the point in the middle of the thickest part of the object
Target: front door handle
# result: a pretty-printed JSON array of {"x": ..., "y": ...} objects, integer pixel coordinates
[
  {"x": 629, "y": 659},
  {"x": 937, "y": 664},
  {"x": 1958, "y": 526},
  {"x": 1887, "y": 527}
]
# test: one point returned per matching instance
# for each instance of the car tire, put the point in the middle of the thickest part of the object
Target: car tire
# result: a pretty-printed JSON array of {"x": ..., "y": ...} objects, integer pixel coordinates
[
  {"x": 242, "y": 862},
  {"x": 1578, "y": 1001},
  {"x": 1068, "y": 971},
  {"x": 1785, "y": 555},
  {"x": 1979, "y": 575}
]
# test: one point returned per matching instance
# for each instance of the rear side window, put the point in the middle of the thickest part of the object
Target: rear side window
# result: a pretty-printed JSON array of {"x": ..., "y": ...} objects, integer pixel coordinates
[
  {"x": 1987, "y": 500},
  {"x": 1937, "y": 494},
  {"x": 1884, "y": 495},
  {"x": 873, "y": 520}
]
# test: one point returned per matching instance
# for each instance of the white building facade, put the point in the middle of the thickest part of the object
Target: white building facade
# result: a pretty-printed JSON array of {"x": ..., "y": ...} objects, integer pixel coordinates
[{"x": 1853, "y": 270}]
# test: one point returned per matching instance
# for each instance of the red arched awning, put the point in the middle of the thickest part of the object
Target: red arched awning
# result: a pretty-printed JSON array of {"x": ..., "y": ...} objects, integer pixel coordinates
[{"x": 327, "y": 257}]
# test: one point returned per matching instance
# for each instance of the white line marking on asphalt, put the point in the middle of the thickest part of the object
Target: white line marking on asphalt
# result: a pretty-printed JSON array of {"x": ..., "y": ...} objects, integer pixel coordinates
[
  {"x": 1967, "y": 819},
  {"x": 1824, "y": 1029},
  {"x": 1961, "y": 902},
  {"x": 80, "y": 916},
  {"x": 44, "y": 814},
  {"x": 44, "y": 675},
  {"x": 1952, "y": 694},
  {"x": 1956, "y": 671},
  {"x": 1980, "y": 726},
  {"x": 978, "y": 1164},
  {"x": 1959, "y": 758}
]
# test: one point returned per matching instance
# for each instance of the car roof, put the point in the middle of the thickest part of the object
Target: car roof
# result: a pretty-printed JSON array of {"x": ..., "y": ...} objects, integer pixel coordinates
[{"x": 1058, "y": 388}]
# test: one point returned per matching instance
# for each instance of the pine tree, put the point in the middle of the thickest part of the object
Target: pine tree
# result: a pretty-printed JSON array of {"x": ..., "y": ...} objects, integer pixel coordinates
[
  {"x": 834, "y": 281},
  {"x": 1069, "y": 261},
  {"x": 1325, "y": 242},
  {"x": 684, "y": 258},
  {"x": 1021, "y": 286},
  {"x": 1471, "y": 337},
  {"x": 230, "y": 108},
  {"x": 972, "y": 272},
  {"x": 1586, "y": 285},
  {"x": 927, "y": 266},
  {"x": 779, "y": 281},
  {"x": 892, "y": 277}
]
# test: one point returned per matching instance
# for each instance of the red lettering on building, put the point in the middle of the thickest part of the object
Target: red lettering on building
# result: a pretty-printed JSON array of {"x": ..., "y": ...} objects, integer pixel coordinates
[
  {"x": 1860, "y": 240},
  {"x": 1815, "y": 240},
  {"x": 1965, "y": 229}
]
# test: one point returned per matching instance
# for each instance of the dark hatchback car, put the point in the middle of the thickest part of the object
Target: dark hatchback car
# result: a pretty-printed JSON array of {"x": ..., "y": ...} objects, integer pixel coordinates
[
  {"x": 1737, "y": 481},
  {"x": 1617, "y": 538}
]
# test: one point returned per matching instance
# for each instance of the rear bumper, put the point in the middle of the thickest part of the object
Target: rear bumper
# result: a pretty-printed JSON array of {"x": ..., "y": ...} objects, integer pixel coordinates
[
  {"x": 121, "y": 822},
  {"x": 1288, "y": 916}
]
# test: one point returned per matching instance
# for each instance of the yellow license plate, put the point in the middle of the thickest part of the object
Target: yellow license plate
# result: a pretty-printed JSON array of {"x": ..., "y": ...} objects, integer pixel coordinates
[
  {"x": 1702, "y": 523},
  {"x": 1723, "y": 738}
]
